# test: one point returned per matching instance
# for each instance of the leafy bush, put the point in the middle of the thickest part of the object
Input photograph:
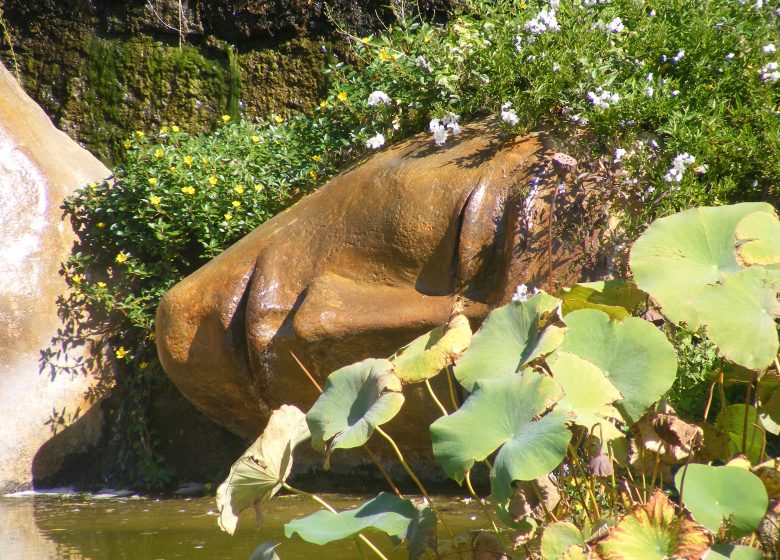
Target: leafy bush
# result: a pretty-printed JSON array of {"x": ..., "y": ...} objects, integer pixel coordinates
[
  {"x": 675, "y": 100},
  {"x": 568, "y": 392}
]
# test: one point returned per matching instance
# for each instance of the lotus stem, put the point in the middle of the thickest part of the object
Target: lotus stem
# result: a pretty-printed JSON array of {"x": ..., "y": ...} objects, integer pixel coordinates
[
  {"x": 327, "y": 506},
  {"x": 485, "y": 510},
  {"x": 709, "y": 400},
  {"x": 655, "y": 471},
  {"x": 435, "y": 398},
  {"x": 575, "y": 463},
  {"x": 550, "y": 515},
  {"x": 451, "y": 385},
  {"x": 746, "y": 421}
]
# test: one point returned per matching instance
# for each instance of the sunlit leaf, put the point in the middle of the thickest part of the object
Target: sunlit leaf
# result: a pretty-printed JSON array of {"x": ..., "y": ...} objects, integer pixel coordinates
[
  {"x": 558, "y": 538},
  {"x": 679, "y": 256},
  {"x": 386, "y": 512},
  {"x": 632, "y": 354},
  {"x": 616, "y": 298},
  {"x": 655, "y": 531},
  {"x": 508, "y": 339},
  {"x": 430, "y": 353},
  {"x": 262, "y": 469},
  {"x": 758, "y": 239},
  {"x": 265, "y": 552},
  {"x": 731, "y": 421},
  {"x": 506, "y": 413},
  {"x": 733, "y": 552},
  {"x": 355, "y": 400},
  {"x": 588, "y": 394},
  {"x": 716, "y": 494},
  {"x": 739, "y": 316}
]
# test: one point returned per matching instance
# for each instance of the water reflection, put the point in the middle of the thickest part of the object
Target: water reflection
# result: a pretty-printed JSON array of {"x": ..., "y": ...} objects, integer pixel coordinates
[{"x": 79, "y": 527}]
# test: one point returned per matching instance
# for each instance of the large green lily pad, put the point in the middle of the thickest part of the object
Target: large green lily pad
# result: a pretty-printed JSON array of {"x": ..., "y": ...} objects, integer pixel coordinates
[
  {"x": 715, "y": 494},
  {"x": 386, "y": 512},
  {"x": 511, "y": 413},
  {"x": 617, "y": 298},
  {"x": 679, "y": 256},
  {"x": 355, "y": 400},
  {"x": 632, "y": 354},
  {"x": 558, "y": 538},
  {"x": 758, "y": 239},
  {"x": 260, "y": 471},
  {"x": 733, "y": 552},
  {"x": 508, "y": 339}
]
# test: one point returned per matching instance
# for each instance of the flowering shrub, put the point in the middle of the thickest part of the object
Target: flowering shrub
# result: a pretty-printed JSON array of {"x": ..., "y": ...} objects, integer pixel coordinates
[{"x": 679, "y": 99}]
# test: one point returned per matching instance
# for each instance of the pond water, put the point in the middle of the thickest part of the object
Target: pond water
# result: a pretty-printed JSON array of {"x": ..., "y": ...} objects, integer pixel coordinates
[{"x": 109, "y": 527}]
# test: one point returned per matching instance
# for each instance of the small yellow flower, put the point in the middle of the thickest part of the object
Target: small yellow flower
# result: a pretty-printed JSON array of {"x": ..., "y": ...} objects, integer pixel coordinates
[
  {"x": 101, "y": 284},
  {"x": 313, "y": 175},
  {"x": 152, "y": 180},
  {"x": 255, "y": 139},
  {"x": 342, "y": 96},
  {"x": 228, "y": 216},
  {"x": 175, "y": 128},
  {"x": 121, "y": 352},
  {"x": 259, "y": 187},
  {"x": 77, "y": 278},
  {"x": 204, "y": 160},
  {"x": 158, "y": 153},
  {"x": 155, "y": 200},
  {"x": 213, "y": 180},
  {"x": 316, "y": 158},
  {"x": 121, "y": 257},
  {"x": 236, "y": 203},
  {"x": 187, "y": 160},
  {"x": 143, "y": 365},
  {"x": 239, "y": 189},
  {"x": 225, "y": 118},
  {"x": 140, "y": 133},
  {"x": 323, "y": 104},
  {"x": 128, "y": 144},
  {"x": 384, "y": 56},
  {"x": 101, "y": 225},
  {"x": 188, "y": 190},
  {"x": 427, "y": 39},
  {"x": 92, "y": 185},
  {"x": 164, "y": 130},
  {"x": 152, "y": 336},
  {"x": 172, "y": 169},
  {"x": 278, "y": 119}
]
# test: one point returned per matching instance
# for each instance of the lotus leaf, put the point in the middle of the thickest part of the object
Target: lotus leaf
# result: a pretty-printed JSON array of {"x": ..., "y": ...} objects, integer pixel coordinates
[
  {"x": 733, "y": 552},
  {"x": 421, "y": 534},
  {"x": 758, "y": 239},
  {"x": 265, "y": 552},
  {"x": 262, "y": 469},
  {"x": 386, "y": 512},
  {"x": 655, "y": 531},
  {"x": 739, "y": 313},
  {"x": 558, "y": 538},
  {"x": 731, "y": 421},
  {"x": 430, "y": 353},
  {"x": 508, "y": 412},
  {"x": 632, "y": 354},
  {"x": 715, "y": 494},
  {"x": 508, "y": 339},
  {"x": 616, "y": 298},
  {"x": 355, "y": 400},
  {"x": 588, "y": 394}
]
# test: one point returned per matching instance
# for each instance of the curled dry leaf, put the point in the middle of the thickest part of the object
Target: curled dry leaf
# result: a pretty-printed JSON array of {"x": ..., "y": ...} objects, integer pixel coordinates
[
  {"x": 525, "y": 500},
  {"x": 663, "y": 435}
]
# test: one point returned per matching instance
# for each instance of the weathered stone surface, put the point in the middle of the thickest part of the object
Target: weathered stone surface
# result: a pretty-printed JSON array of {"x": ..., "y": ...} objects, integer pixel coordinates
[
  {"x": 39, "y": 166},
  {"x": 362, "y": 266}
]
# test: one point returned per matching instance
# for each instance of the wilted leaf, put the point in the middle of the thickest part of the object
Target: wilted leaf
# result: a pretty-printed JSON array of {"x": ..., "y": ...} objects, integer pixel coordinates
[
  {"x": 680, "y": 256},
  {"x": 716, "y": 494},
  {"x": 262, "y": 469},
  {"x": 386, "y": 512},
  {"x": 525, "y": 499},
  {"x": 632, "y": 354},
  {"x": 508, "y": 412},
  {"x": 355, "y": 400},
  {"x": 430, "y": 353},
  {"x": 558, "y": 538},
  {"x": 265, "y": 552},
  {"x": 655, "y": 531},
  {"x": 669, "y": 436},
  {"x": 758, "y": 239},
  {"x": 616, "y": 298},
  {"x": 508, "y": 339},
  {"x": 733, "y": 552},
  {"x": 769, "y": 473}
]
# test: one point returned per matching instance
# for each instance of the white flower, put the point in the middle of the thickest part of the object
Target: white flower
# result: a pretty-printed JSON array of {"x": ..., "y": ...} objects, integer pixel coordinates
[
  {"x": 770, "y": 73},
  {"x": 545, "y": 21},
  {"x": 440, "y": 128},
  {"x": 556, "y": 67},
  {"x": 521, "y": 293},
  {"x": 678, "y": 57},
  {"x": 649, "y": 91},
  {"x": 615, "y": 26},
  {"x": 649, "y": 77},
  {"x": 375, "y": 142},
  {"x": 508, "y": 115},
  {"x": 676, "y": 171},
  {"x": 675, "y": 92},
  {"x": 730, "y": 56},
  {"x": 518, "y": 43},
  {"x": 769, "y": 49},
  {"x": 619, "y": 154},
  {"x": 702, "y": 169},
  {"x": 378, "y": 98},
  {"x": 602, "y": 99},
  {"x": 422, "y": 62}
]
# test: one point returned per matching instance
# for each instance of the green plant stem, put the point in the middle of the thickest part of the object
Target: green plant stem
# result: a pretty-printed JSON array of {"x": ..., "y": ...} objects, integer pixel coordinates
[
  {"x": 327, "y": 506},
  {"x": 450, "y": 375},
  {"x": 585, "y": 479},
  {"x": 435, "y": 398},
  {"x": 747, "y": 415},
  {"x": 485, "y": 510},
  {"x": 416, "y": 480}
]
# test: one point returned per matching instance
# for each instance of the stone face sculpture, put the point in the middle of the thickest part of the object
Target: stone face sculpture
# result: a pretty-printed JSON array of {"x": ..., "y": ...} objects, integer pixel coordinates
[
  {"x": 357, "y": 269},
  {"x": 39, "y": 167}
]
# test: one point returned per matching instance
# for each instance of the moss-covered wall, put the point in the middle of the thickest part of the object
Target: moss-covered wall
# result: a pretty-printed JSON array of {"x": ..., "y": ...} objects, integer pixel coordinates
[{"x": 103, "y": 68}]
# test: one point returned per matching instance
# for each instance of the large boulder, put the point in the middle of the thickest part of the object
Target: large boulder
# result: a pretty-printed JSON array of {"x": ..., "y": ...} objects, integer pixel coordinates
[
  {"x": 369, "y": 261},
  {"x": 39, "y": 167}
]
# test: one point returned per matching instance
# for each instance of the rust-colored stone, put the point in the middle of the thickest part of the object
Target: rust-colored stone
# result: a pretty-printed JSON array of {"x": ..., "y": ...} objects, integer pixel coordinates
[{"x": 357, "y": 269}]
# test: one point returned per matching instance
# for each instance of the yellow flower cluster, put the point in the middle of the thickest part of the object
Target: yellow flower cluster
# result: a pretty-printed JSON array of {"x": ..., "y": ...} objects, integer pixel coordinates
[
  {"x": 121, "y": 352},
  {"x": 155, "y": 200},
  {"x": 188, "y": 190}
]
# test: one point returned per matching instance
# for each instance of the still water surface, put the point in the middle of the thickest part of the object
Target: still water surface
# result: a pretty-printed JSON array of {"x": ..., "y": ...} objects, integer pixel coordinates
[{"x": 91, "y": 527}]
